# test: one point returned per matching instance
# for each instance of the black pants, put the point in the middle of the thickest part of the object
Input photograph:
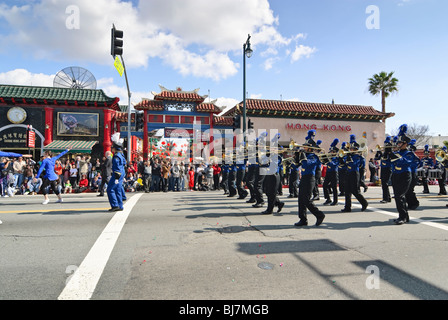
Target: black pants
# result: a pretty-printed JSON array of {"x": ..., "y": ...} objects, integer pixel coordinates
[
  {"x": 316, "y": 183},
  {"x": 331, "y": 183},
  {"x": 104, "y": 183},
  {"x": 385, "y": 177},
  {"x": 342, "y": 177},
  {"x": 250, "y": 181},
  {"x": 271, "y": 183},
  {"x": 400, "y": 185},
  {"x": 258, "y": 186},
  {"x": 53, "y": 185},
  {"x": 411, "y": 198},
  {"x": 225, "y": 181},
  {"x": 231, "y": 183},
  {"x": 294, "y": 183},
  {"x": 306, "y": 186},
  {"x": 216, "y": 181},
  {"x": 441, "y": 182},
  {"x": 239, "y": 183},
  {"x": 352, "y": 188},
  {"x": 361, "y": 178},
  {"x": 280, "y": 183}
]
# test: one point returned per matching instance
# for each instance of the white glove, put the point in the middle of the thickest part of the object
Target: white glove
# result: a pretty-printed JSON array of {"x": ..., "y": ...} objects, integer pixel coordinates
[{"x": 116, "y": 181}]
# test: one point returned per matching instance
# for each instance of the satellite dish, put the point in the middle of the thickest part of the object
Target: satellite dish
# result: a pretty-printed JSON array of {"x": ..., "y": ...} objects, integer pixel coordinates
[{"x": 75, "y": 78}]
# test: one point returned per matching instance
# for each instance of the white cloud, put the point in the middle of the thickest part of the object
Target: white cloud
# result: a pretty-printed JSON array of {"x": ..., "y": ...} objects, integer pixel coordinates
[
  {"x": 302, "y": 51},
  {"x": 26, "y": 78},
  {"x": 194, "y": 37}
]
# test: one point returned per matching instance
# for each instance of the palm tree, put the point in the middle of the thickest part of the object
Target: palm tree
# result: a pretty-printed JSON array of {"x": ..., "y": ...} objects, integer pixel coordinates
[{"x": 383, "y": 83}]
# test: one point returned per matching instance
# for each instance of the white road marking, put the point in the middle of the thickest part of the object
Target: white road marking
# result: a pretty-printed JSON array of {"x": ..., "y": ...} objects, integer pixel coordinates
[
  {"x": 417, "y": 220},
  {"x": 83, "y": 282}
]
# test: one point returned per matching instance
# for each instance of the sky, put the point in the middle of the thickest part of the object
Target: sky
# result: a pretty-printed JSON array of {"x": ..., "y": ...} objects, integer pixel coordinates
[{"x": 311, "y": 51}]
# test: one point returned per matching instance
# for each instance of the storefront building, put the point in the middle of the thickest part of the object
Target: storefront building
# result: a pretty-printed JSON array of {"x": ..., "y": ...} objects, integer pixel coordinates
[{"x": 83, "y": 119}]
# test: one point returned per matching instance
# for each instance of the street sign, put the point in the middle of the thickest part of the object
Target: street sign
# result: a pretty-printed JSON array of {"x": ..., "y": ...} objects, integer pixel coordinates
[
  {"x": 31, "y": 139},
  {"x": 118, "y": 66}
]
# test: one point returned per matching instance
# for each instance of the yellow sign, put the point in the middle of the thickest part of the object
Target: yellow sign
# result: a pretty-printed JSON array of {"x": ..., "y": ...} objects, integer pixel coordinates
[{"x": 118, "y": 66}]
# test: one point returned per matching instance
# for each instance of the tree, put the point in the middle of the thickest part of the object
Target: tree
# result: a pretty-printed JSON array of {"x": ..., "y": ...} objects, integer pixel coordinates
[{"x": 383, "y": 83}]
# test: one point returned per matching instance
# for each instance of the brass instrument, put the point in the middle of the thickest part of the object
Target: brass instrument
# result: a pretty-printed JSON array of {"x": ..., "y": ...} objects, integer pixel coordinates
[
  {"x": 293, "y": 145},
  {"x": 441, "y": 156},
  {"x": 363, "y": 151},
  {"x": 290, "y": 159}
]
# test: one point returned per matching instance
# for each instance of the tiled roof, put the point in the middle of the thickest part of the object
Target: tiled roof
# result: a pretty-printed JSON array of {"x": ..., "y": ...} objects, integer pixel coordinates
[
  {"x": 307, "y": 110},
  {"x": 152, "y": 105},
  {"x": 208, "y": 107},
  {"x": 179, "y": 95},
  {"x": 223, "y": 121},
  {"x": 51, "y": 95},
  {"x": 157, "y": 105}
]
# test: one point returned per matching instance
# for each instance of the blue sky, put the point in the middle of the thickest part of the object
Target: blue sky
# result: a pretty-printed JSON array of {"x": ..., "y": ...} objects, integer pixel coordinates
[{"x": 312, "y": 51}]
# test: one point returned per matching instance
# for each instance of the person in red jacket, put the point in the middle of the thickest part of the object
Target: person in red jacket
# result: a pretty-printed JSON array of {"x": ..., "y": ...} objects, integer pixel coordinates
[
  {"x": 83, "y": 184},
  {"x": 216, "y": 173}
]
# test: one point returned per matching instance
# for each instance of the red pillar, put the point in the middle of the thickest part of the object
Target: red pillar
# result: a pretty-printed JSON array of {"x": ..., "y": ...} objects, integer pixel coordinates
[
  {"x": 48, "y": 125},
  {"x": 145, "y": 135},
  {"x": 107, "y": 143},
  {"x": 212, "y": 148}
]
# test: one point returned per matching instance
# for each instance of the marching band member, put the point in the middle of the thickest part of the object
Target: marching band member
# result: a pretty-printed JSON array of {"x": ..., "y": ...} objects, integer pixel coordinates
[
  {"x": 426, "y": 163},
  {"x": 232, "y": 178},
  {"x": 309, "y": 162},
  {"x": 225, "y": 177},
  {"x": 386, "y": 169},
  {"x": 441, "y": 181},
  {"x": 280, "y": 173},
  {"x": 293, "y": 179},
  {"x": 331, "y": 176},
  {"x": 251, "y": 172},
  {"x": 353, "y": 161},
  {"x": 401, "y": 174},
  {"x": 318, "y": 176},
  {"x": 240, "y": 173},
  {"x": 259, "y": 178},
  {"x": 411, "y": 198},
  {"x": 271, "y": 183},
  {"x": 342, "y": 171}
]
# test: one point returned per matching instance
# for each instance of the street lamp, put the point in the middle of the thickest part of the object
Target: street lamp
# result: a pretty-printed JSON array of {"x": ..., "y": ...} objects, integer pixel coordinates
[{"x": 247, "y": 52}]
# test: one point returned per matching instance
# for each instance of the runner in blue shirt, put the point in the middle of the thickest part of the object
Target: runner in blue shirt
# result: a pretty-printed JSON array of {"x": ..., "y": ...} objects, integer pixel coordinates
[{"x": 50, "y": 177}]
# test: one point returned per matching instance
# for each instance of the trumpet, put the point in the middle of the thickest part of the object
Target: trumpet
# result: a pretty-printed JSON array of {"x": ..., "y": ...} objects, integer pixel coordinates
[
  {"x": 441, "y": 156},
  {"x": 293, "y": 145}
]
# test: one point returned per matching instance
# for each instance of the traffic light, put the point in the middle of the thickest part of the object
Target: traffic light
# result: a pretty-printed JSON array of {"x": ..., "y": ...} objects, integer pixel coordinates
[
  {"x": 139, "y": 121},
  {"x": 250, "y": 124},
  {"x": 236, "y": 122},
  {"x": 117, "y": 42}
]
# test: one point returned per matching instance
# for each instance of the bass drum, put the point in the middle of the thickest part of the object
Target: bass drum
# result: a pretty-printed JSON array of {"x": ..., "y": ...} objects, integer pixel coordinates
[
  {"x": 435, "y": 174},
  {"x": 421, "y": 173}
]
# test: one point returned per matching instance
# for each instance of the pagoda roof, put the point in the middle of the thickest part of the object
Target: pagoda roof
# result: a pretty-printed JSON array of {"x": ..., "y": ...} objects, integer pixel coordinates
[
  {"x": 15, "y": 94},
  {"x": 179, "y": 95},
  {"x": 285, "y": 109}
]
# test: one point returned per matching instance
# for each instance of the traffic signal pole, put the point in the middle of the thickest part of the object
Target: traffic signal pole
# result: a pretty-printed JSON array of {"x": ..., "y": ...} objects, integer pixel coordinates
[
  {"x": 129, "y": 110},
  {"x": 117, "y": 49}
]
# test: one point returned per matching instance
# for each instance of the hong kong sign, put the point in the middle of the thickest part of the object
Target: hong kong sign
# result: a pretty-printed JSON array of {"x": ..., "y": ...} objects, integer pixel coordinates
[{"x": 322, "y": 127}]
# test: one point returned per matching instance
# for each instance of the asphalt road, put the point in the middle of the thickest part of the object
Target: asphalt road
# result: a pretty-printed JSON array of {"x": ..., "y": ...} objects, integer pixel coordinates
[{"x": 206, "y": 246}]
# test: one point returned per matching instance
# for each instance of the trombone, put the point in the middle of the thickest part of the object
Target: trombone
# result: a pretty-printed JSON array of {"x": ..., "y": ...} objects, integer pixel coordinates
[
  {"x": 293, "y": 145},
  {"x": 342, "y": 153}
]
